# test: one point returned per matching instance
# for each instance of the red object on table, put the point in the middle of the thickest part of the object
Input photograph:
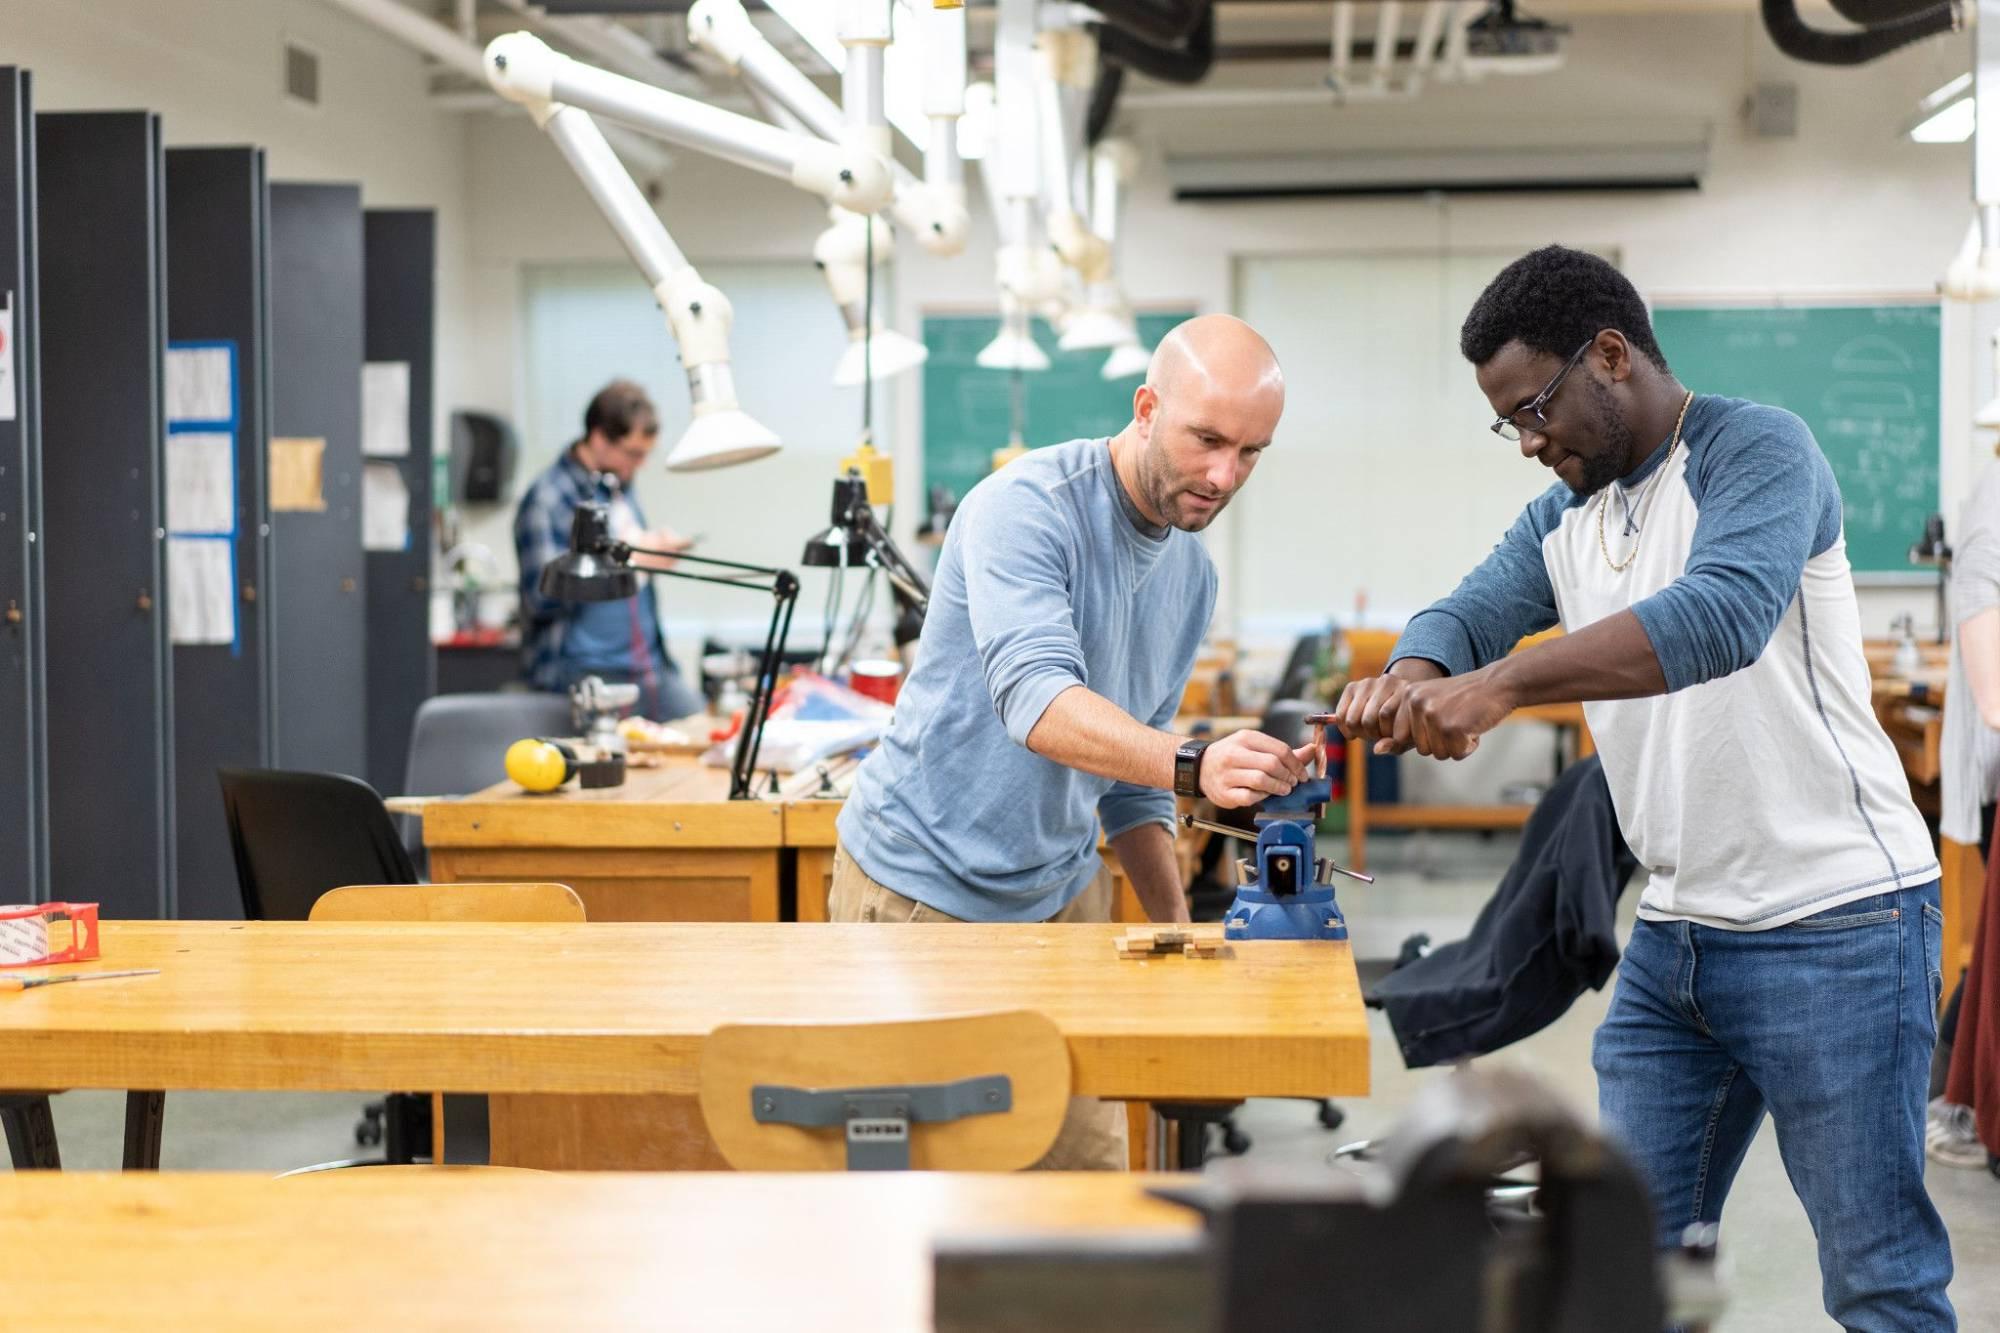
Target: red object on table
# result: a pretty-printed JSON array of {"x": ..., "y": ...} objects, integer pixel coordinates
[
  {"x": 48, "y": 933},
  {"x": 878, "y": 678}
]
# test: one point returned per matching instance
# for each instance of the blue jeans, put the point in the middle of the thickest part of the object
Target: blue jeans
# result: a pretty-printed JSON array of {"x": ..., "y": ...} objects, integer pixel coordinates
[{"x": 1828, "y": 1023}]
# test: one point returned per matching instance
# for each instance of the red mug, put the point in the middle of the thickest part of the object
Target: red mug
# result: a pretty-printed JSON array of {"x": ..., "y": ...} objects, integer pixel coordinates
[{"x": 878, "y": 678}]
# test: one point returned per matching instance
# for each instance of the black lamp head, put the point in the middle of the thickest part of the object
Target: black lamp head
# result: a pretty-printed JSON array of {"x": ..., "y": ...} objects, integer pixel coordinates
[
  {"x": 594, "y": 569},
  {"x": 841, "y": 544}
]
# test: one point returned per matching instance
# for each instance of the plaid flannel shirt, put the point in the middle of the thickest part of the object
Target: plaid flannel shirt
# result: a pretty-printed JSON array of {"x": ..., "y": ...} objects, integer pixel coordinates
[{"x": 541, "y": 533}]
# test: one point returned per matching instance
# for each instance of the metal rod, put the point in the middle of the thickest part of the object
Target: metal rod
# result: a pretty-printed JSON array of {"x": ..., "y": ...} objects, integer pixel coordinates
[{"x": 1189, "y": 821}]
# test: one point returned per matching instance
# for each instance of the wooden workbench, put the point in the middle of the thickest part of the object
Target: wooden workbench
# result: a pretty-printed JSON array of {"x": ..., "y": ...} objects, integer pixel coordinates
[
  {"x": 811, "y": 836},
  {"x": 624, "y": 1008},
  {"x": 1911, "y": 710},
  {"x": 668, "y": 845},
  {"x": 519, "y": 1250}
]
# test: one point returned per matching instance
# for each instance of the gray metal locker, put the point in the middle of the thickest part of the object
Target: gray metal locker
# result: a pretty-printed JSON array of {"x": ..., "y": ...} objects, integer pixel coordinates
[
  {"x": 401, "y": 258},
  {"x": 103, "y": 331},
  {"x": 218, "y": 327},
  {"x": 318, "y": 581},
  {"x": 24, "y": 820}
]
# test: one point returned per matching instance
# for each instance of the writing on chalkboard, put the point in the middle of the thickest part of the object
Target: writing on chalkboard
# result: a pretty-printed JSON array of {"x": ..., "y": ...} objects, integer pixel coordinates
[{"x": 1864, "y": 378}]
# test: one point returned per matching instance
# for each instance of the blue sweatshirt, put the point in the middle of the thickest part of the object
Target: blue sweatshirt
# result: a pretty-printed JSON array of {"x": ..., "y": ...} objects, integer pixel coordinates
[{"x": 1048, "y": 579}]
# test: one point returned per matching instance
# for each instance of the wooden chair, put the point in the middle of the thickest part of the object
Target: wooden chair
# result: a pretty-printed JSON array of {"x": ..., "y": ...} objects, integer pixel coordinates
[
  {"x": 452, "y": 902},
  {"x": 448, "y": 902},
  {"x": 756, "y": 1076}
]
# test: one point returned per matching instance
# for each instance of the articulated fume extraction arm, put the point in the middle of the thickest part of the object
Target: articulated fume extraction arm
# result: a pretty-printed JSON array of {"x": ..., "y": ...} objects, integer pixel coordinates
[
  {"x": 562, "y": 93},
  {"x": 933, "y": 208}
]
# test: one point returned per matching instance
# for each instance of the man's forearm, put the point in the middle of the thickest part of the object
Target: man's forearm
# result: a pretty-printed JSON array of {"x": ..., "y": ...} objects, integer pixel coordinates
[
  {"x": 1612, "y": 659},
  {"x": 1147, "y": 855},
  {"x": 1086, "y": 731}
]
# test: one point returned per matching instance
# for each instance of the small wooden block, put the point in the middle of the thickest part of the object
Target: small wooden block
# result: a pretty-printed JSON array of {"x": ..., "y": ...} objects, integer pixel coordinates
[{"x": 1156, "y": 941}]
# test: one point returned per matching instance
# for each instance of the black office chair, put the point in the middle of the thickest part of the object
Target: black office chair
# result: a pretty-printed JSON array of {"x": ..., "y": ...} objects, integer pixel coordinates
[{"x": 297, "y": 835}]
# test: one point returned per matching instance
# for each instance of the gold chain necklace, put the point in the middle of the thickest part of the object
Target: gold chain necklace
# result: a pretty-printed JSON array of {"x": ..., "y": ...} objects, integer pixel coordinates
[{"x": 1605, "y": 502}]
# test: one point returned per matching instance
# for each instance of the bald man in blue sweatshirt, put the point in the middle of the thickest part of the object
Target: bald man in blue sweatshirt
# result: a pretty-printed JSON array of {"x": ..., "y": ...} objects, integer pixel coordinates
[{"x": 1070, "y": 600}]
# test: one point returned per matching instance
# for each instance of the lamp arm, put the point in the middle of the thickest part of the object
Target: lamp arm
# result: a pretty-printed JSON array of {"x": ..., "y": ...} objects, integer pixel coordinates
[
  {"x": 784, "y": 590},
  {"x": 624, "y": 551},
  {"x": 895, "y": 566},
  {"x": 525, "y": 69}
]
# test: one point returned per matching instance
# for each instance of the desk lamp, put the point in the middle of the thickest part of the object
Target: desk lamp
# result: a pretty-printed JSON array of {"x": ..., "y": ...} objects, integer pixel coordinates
[{"x": 598, "y": 568}]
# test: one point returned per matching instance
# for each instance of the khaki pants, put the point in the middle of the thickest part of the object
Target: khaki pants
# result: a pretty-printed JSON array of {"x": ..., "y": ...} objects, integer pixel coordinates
[{"x": 1093, "y": 1135}]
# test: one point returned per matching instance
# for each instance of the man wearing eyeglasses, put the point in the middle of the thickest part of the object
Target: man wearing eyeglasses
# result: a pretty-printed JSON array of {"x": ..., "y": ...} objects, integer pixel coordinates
[
  {"x": 1786, "y": 956},
  {"x": 620, "y": 642}
]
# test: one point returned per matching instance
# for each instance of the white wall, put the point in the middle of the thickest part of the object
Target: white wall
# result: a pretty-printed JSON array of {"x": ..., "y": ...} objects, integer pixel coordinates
[
  {"x": 1846, "y": 206},
  {"x": 211, "y": 68}
]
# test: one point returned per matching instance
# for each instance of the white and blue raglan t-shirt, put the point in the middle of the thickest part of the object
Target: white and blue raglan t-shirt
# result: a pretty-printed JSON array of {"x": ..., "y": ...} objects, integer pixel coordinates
[{"x": 1760, "y": 788}]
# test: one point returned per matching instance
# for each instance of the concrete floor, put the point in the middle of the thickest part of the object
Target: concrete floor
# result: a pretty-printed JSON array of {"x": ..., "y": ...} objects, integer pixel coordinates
[{"x": 1429, "y": 882}]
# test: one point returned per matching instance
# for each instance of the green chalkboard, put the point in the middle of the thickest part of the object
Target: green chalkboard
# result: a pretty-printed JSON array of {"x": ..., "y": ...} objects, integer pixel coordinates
[
  {"x": 968, "y": 410},
  {"x": 1866, "y": 380}
]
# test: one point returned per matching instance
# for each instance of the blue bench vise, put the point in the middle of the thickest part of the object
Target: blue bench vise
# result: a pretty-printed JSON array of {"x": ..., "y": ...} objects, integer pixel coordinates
[{"x": 1284, "y": 889}]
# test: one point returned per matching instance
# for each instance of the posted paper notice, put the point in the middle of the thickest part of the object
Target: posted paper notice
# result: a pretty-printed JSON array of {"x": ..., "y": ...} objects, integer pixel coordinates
[
  {"x": 201, "y": 590},
  {"x": 385, "y": 508},
  {"x": 201, "y": 482},
  {"x": 385, "y": 409},
  {"x": 198, "y": 384}
]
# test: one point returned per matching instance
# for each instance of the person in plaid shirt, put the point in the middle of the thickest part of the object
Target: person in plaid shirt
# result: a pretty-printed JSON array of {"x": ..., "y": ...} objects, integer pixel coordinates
[{"x": 619, "y": 641}]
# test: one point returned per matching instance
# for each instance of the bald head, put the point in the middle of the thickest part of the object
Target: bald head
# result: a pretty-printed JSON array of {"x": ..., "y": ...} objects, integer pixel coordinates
[
  {"x": 1208, "y": 408},
  {"x": 1217, "y": 354}
]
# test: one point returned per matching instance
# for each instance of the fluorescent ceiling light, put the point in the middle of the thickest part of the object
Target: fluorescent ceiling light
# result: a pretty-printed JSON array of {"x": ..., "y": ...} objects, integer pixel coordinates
[
  {"x": 1953, "y": 124},
  {"x": 1945, "y": 116},
  {"x": 818, "y": 23}
]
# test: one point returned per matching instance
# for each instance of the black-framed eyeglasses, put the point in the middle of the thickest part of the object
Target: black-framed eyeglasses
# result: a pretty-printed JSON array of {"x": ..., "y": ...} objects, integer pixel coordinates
[{"x": 1528, "y": 417}]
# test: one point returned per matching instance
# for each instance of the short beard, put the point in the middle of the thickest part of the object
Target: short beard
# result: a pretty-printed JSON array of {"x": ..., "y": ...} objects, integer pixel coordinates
[
  {"x": 1162, "y": 497},
  {"x": 1611, "y": 462}
]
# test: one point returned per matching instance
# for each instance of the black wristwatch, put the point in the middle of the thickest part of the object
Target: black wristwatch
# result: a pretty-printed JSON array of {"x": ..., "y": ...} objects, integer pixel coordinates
[{"x": 1187, "y": 768}]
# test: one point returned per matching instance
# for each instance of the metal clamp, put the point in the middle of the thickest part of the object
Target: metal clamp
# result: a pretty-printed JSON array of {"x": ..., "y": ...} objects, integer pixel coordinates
[{"x": 878, "y": 1120}]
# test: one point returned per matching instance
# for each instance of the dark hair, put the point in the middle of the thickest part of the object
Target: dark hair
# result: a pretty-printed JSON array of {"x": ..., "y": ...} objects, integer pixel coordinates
[
  {"x": 619, "y": 408},
  {"x": 1554, "y": 300}
]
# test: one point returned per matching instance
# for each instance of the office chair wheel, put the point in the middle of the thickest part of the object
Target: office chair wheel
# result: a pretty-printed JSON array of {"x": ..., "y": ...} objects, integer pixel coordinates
[
  {"x": 1330, "y": 1115},
  {"x": 368, "y": 1130},
  {"x": 1234, "y": 1141}
]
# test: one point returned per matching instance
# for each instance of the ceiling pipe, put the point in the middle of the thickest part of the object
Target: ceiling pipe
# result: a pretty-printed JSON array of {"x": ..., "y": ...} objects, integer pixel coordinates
[
  {"x": 1874, "y": 13},
  {"x": 1160, "y": 22},
  {"x": 1818, "y": 47}
]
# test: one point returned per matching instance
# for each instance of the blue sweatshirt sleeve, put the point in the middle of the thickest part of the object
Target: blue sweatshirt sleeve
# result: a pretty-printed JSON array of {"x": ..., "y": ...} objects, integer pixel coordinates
[
  {"x": 1126, "y": 806},
  {"x": 1506, "y": 598},
  {"x": 1767, "y": 502},
  {"x": 1016, "y": 555}
]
